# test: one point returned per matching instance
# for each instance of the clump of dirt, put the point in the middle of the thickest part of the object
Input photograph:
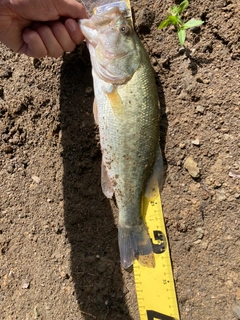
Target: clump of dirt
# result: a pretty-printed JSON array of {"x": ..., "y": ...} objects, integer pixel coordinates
[{"x": 58, "y": 234}]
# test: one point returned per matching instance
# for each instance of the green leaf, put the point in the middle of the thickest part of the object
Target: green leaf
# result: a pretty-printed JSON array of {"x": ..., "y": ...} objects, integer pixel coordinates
[
  {"x": 181, "y": 36},
  {"x": 172, "y": 19},
  {"x": 164, "y": 24},
  {"x": 183, "y": 5},
  {"x": 174, "y": 10},
  {"x": 192, "y": 23}
]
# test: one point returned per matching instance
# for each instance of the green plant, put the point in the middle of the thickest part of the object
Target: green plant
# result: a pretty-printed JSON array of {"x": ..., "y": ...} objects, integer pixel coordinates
[{"x": 174, "y": 18}]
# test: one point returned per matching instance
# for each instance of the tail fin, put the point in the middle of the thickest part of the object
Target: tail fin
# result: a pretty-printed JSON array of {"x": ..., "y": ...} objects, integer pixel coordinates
[{"x": 134, "y": 242}]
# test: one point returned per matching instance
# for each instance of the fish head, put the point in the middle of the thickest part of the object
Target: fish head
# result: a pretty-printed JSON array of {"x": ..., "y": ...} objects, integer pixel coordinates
[{"x": 113, "y": 45}]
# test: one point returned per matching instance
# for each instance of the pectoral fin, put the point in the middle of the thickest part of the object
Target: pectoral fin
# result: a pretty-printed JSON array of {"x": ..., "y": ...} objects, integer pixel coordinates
[
  {"x": 95, "y": 111},
  {"x": 106, "y": 183},
  {"x": 155, "y": 182},
  {"x": 115, "y": 102}
]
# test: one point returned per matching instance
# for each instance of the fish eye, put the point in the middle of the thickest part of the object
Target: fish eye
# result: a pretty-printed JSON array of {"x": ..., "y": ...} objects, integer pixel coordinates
[{"x": 124, "y": 29}]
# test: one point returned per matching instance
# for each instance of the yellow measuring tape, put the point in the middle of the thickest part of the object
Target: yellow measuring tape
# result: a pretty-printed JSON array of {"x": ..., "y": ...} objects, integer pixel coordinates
[{"x": 155, "y": 286}]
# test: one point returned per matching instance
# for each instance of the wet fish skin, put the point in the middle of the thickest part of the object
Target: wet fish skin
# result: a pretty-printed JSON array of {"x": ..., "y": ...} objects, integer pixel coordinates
[{"x": 127, "y": 112}]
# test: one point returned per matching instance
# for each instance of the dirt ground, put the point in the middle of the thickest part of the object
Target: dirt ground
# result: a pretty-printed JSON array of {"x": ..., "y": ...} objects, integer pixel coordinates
[{"x": 59, "y": 255}]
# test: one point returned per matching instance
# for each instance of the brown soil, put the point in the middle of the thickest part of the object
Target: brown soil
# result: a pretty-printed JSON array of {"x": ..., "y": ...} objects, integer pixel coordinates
[{"x": 59, "y": 256}]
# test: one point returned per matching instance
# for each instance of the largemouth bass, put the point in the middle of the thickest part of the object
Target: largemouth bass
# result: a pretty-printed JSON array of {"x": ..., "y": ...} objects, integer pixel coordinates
[{"x": 126, "y": 110}]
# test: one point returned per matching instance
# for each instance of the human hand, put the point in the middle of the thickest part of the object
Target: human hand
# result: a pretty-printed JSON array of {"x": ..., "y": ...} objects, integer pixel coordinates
[{"x": 41, "y": 27}]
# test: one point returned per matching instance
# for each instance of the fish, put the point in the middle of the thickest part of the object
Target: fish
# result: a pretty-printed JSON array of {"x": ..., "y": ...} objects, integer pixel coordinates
[{"x": 126, "y": 110}]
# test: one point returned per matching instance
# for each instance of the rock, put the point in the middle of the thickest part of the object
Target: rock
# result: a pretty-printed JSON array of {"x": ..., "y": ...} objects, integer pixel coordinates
[
  {"x": 204, "y": 245},
  {"x": 196, "y": 142},
  {"x": 192, "y": 167},
  {"x": 220, "y": 195},
  {"x": 182, "y": 145},
  {"x": 197, "y": 241},
  {"x": 25, "y": 284},
  {"x": 200, "y": 109},
  {"x": 236, "y": 310},
  {"x": 199, "y": 233},
  {"x": 36, "y": 179},
  {"x": 234, "y": 174},
  {"x": 10, "y": 169},
  {"x": 102, "y": 267}
]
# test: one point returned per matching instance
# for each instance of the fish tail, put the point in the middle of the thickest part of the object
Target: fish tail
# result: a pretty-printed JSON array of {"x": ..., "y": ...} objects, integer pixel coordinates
[{"x": 134, "y": 242}]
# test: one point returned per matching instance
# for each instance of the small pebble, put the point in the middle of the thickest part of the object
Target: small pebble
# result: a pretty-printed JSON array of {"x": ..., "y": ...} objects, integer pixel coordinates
[
  {"x": 11, "y": 274},
  {"x": 197, "y": 241},
  {"x": 234, "y": 174},
  {"x": 102, "y": 267},
  {"x": 36, "y": 179},
  {"x": 204, "y": 245},
  {"x": 182, "y": 145},
  {"x": 192, "y": 167},
  {"x": 10, "y": 169},
  {"x": 196, "y": 142},
  {"x": 200, "y": 109},
  {"x": 25, "y": 284},
  {"x": 36, "y": 313},
  {"x": 200, "y": 233},
  {"x": 236, "y": 310}
]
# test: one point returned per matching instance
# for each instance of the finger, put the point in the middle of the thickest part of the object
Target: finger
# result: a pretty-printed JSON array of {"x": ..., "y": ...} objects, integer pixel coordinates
[
  {"x": 71, "y": 8},
  {"x": 33, "y": 45},
  {"x": 61, "y": 34},
  {"x": 53, "y": 47},
  {"x": 74, "y": 31}
]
